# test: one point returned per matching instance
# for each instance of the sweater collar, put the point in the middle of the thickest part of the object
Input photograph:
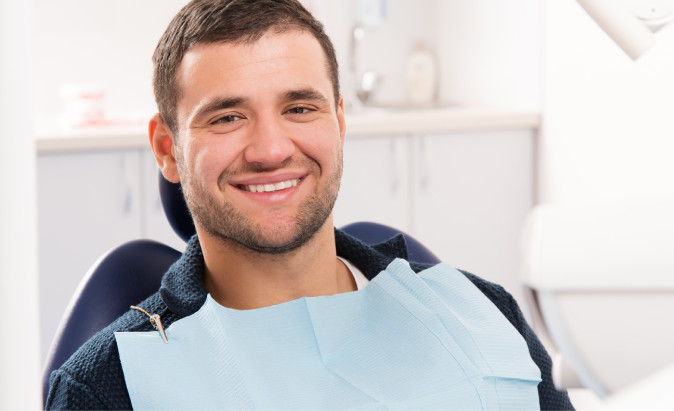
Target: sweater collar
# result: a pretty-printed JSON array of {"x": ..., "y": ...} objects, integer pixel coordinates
[{"x": 183, "y": 291}]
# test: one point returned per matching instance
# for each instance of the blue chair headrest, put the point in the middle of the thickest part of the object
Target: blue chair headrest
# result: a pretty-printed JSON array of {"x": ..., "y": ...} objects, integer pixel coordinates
[
  {"x": 175, "y": 208},
  {"x": 373, "y": 233}
]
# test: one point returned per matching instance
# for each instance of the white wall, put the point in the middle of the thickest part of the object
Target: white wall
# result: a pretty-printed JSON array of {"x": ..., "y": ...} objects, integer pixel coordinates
[
  {"x": 489, "y": 52},
  {"x": 608, "y": 122},
  {"x": 19, "y": 341},
  {"x": 109, "y": 43},
  {"x": 386, "y": 47}
]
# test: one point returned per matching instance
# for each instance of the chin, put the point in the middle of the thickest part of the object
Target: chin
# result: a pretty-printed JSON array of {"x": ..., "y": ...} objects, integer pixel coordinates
[
  {"x": 277, "y": 247},
  {"x": 280, "y": 242}
]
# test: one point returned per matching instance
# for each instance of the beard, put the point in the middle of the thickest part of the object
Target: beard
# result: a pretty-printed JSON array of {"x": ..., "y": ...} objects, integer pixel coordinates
[{"x": 234, "y": 227}]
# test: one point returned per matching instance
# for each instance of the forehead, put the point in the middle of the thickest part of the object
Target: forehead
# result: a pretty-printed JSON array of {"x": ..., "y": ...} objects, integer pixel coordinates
[{"x": 273, "y": 60}]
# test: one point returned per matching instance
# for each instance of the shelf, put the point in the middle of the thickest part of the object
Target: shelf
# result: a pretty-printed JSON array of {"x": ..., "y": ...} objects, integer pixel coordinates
[
  {"x": 363, "y": 123},
  {"x": 438, "y": 120}
]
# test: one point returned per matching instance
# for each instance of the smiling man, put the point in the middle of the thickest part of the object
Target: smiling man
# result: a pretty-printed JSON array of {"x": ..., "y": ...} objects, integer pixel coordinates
[
  {"x": 271, "y": 307},
  {"x": 257, "y": 146}
]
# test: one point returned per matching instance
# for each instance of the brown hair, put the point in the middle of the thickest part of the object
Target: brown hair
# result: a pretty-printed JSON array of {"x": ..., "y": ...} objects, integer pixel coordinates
[{"x": 212, "y": 21}]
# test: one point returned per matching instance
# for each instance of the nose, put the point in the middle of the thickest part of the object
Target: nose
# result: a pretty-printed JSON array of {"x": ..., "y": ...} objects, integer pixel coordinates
[{"x": 270, "y": 144}]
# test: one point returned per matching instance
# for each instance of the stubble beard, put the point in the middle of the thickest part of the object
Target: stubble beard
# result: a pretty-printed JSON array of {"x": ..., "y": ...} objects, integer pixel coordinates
[{"x": 234, "y": 227}]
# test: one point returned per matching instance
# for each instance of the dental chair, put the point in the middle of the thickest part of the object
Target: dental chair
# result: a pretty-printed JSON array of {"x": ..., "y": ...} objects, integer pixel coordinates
[{"x": 131, "y": 272}]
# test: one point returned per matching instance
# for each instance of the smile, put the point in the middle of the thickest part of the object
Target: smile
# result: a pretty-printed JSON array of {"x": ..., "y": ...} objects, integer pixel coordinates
[{"x": 269, "y": 188}]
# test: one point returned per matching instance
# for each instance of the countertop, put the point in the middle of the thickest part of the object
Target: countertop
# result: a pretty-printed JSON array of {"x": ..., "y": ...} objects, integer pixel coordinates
[{"x": 369, "y": 122}]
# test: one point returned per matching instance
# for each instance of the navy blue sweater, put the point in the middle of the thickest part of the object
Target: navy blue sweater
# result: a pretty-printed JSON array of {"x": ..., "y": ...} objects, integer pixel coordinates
[{"x": 93, "y": 379}]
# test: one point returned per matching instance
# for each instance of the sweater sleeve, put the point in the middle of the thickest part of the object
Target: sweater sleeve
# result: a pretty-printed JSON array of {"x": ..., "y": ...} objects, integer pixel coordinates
[
  {"x": 65, "y": 393},
  {"x": 549, "y": 397}
]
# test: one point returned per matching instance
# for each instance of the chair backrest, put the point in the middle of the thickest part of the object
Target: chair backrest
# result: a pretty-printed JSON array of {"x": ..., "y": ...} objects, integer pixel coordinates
[
  {"x": 122, "y": 277},
  {"x": 132, "y": 272},
  {"x": 175, "y": 208}
]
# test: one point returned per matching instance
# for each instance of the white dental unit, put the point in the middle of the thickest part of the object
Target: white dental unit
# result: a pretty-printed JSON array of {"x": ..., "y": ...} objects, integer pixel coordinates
[{"x": 600, "y": 282}]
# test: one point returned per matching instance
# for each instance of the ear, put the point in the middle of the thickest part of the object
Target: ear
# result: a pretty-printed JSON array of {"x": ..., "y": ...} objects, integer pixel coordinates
[
  {"x": 162, "y": 143},
  {"x": 340, "y": 118}
]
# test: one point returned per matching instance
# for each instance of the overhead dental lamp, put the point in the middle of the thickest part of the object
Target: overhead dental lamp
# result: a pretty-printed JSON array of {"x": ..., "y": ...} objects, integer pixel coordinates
[{"x": 631, "y": 23}]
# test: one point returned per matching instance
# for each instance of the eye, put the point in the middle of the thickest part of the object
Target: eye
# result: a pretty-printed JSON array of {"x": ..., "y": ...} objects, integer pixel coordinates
[
  {"x": 229, "y": 118},
  {"x": 226, "y": 122},
  {"x": 299, "y": 110}
]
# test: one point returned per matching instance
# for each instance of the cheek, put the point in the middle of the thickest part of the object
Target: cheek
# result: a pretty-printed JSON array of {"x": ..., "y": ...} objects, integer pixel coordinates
[
  {"x": 321, "y": 145},
  {"x": 324, "y": 153},
  {"x": 208, "y": 162}
]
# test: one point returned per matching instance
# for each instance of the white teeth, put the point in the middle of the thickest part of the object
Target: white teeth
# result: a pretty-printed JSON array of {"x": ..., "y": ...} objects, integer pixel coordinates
[{"x": 268, "y": 188}]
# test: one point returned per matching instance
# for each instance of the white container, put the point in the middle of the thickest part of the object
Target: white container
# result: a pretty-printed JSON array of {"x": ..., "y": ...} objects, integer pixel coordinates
[
  {"x": 82, "y": 105},
  {"x": 421, "y": 77}
]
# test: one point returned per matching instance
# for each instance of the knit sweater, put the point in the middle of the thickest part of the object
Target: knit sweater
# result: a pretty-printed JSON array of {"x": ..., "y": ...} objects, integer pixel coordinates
[{"x": 93, "y": 379}]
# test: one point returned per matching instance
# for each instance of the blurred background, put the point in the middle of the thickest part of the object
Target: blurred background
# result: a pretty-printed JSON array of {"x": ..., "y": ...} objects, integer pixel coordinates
[{"x": 462, "y": 118}]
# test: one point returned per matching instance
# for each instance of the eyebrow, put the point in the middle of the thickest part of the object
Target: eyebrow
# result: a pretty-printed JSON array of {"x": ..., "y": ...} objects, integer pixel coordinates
[
  {"x": 306, "y": 94},
  {"x": 220, "y": 104}
]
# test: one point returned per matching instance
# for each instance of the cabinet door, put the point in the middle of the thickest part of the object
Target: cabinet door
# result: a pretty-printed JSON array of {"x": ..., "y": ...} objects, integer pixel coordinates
[
  {"x": 375, "y": 182},
  {"x": 473, "y": 191},
  {"x": 87, "y": 203}
]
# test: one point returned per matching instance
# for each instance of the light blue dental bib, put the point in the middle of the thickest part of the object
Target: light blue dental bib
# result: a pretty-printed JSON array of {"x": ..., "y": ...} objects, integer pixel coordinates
[{"x": 407, "y": 341}]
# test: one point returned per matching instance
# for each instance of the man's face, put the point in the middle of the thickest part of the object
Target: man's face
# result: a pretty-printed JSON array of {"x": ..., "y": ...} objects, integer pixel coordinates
[{"x": 259, "y": 147}]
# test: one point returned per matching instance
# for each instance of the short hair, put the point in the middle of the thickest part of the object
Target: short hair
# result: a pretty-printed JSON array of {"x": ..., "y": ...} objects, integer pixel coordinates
[{"x": 214, "y": 21}]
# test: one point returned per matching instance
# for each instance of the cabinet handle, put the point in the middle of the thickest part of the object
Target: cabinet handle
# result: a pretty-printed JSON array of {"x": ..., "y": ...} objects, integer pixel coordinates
[
  {"x": 397, "y": 165},
  {"x": 425, "y": 160},
  {"x": 127, "y": 191}
]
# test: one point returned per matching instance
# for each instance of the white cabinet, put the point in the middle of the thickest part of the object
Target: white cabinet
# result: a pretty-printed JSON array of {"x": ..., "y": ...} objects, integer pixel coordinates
[
  {"x": 472, "y": 192},
  {"x": 375, "y": 182},
  {"x": 465, "y": 195},
  {"x": 87, "y": 203}
]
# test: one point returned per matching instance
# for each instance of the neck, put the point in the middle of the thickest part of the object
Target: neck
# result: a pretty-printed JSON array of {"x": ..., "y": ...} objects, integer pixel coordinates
[{"x": 243, "y": 279}]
